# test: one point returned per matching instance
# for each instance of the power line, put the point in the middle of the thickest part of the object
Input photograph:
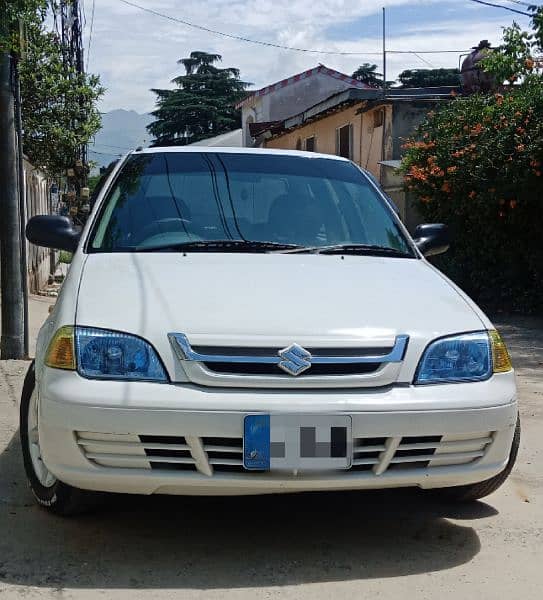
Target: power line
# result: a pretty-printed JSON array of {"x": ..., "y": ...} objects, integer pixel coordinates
[
  {"x": 527, "y": 4},
  {"x": 90, "y": 34},
  {"x": 514, "y": 10},
  {"x": 103, "y": 153},
  {"x": 273, "y": 45},
  {"x": 112, "y": 146},
  {"x": 423, "y": 59}
]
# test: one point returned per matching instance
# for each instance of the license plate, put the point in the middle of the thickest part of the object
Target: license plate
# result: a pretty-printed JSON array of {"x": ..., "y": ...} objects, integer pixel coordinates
[{"x": 297, "y": 442}]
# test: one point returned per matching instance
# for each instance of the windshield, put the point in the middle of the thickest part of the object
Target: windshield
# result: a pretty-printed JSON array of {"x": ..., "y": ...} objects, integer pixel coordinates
[{"x": 170, "y": 199}]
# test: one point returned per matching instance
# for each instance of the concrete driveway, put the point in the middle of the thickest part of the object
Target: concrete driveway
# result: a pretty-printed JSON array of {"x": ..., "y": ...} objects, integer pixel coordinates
[{"x": 395, "y": 544}]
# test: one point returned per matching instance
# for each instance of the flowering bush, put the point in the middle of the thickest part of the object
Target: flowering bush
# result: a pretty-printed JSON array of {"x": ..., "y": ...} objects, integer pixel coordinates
[{"x": 477, "y": 165}]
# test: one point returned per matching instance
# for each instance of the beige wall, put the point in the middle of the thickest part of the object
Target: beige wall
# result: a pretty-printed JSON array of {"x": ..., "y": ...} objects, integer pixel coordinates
[
  {"x": 39, "y": 260},
  {"x": 367, "y": 139}
]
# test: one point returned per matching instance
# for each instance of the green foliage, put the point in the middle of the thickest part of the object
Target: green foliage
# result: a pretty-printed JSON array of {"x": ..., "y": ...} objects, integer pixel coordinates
[
  {"x": 477, "y": 165},
  {"x": 65, "y": 257},
  {"x": 15, "y": 16},
  {"x": 202, "y": 106},
  {"x": 92, "y": 182},
  {"x": 368, "y": 74},
  {"x": 58, "y": 104},
  {"x": 414, "y": 78}
]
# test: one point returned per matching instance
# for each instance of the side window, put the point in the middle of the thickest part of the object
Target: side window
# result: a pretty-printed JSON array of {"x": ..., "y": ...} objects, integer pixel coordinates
[{"x": 344, "y": 141}]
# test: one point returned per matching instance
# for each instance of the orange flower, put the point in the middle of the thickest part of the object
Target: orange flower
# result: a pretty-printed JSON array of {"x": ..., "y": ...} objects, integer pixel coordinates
[
  {"x": 521, "y": 148},
  {"x": 521, "y": 130},
  {"x": 446, "y": 187},
  {"x": 513, "y": 204},
  {"x": 499, "y": 99},
  {"x": 529, "y": 63},
  {"x": 452, "y": 169},
  {"x": 477, "y": 129},
  {"x": 472, "y": 194}
]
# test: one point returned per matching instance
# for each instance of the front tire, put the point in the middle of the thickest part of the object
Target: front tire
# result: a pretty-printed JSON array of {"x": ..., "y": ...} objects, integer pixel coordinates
[
  {"x": 476, "y": 491},
  {"x": 54, "y": 495}
]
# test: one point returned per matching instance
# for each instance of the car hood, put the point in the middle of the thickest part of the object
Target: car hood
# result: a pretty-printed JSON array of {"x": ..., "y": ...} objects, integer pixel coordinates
[{"x": 271, "y": 299}]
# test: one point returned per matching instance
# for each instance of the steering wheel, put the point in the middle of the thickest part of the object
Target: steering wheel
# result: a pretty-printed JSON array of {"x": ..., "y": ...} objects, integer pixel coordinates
[{"x": 170, "y": 224}]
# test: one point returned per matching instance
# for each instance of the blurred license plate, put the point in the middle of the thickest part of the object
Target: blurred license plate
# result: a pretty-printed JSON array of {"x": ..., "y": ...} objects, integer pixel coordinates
[{"x": 297, "y": 442}]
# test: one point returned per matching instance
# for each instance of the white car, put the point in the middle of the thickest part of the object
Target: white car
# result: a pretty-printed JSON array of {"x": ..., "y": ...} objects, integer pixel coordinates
[{"x": 240, "y": 321}]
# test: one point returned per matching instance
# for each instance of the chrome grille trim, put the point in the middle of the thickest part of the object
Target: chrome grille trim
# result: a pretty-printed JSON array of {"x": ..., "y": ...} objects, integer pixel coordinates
[
  {"x": 185, "y": 351},
  {"x": 378, "y": 367}
]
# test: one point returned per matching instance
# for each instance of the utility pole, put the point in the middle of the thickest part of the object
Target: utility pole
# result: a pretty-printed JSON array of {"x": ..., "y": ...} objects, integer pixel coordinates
[
  {"x": 22, "y": 208},
  {"x": 384, "y": 53},
  {"x": 12, "y": 328}
]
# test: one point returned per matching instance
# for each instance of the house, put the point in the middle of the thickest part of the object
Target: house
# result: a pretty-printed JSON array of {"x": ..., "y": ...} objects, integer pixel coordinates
[
  {"x": 291, "y": 96},
  {"x": 359, "y": 124}
]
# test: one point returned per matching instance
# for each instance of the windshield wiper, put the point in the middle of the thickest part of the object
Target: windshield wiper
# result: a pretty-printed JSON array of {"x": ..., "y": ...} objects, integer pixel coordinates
[
  {"x": 220, "y": 246},
  {"x": 364, "y": 249}
]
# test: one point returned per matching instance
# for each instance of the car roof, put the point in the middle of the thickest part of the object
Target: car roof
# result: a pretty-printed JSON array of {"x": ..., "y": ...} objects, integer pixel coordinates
[{"x": 230, "y": 150}]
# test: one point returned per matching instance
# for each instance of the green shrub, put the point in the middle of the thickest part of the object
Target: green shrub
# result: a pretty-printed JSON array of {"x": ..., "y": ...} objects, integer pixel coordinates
[
  {"x": 65, "y": 257},
  {"x": 477, "y": 165}
]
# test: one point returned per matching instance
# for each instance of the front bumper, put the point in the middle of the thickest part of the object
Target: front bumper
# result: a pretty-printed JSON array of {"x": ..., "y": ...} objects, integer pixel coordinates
[{"x": 150, "y": 438}]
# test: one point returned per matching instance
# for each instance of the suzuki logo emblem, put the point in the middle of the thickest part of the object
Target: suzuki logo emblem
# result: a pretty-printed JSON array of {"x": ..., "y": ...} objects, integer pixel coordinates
[{"x": 295, "y": 360}]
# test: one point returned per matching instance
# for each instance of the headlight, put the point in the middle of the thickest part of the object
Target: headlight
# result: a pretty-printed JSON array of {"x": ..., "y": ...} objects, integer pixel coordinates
[
  {"x": 466, "y": 357},
  {"x": 103, "y": 354}
]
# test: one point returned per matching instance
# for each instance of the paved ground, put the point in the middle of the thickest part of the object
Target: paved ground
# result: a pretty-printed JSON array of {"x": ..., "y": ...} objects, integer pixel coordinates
[{"x": 359, "y": 545}]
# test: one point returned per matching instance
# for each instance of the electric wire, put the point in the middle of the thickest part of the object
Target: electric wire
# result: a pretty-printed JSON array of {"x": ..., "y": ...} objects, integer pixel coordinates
[
  {"x": 274, "y": 45},
  {"x": 90, "y": 34},
  {"x": 514, "y": 10}
]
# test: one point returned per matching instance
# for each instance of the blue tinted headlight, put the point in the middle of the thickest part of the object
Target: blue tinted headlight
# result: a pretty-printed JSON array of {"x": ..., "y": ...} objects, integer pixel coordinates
[
  {"x": 103, "y": 354},
  {"x": 458, "y": 358}
]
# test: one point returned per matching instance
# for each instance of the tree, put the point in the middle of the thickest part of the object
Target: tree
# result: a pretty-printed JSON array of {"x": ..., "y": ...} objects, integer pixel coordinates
[
  {"x": 417, "y": 78},
  {"x": 202, "y": 106},
  {"x": 58, "y": 104},
  {"x": 477, "y": 164},
  {"x": 367, "y": 74}
]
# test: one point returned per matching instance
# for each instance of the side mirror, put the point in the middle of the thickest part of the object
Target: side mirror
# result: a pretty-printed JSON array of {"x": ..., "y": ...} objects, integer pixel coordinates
[
  {"x": 432, "y": 238},
  {"x": 53, "y": 231}
]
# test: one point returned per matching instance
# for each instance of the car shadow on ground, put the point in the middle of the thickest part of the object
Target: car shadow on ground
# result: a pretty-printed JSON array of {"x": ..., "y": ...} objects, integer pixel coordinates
[{"x": 208, "y": 543}]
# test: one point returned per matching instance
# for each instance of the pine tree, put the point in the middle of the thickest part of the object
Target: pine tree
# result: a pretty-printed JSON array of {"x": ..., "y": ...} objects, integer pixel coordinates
[{"x": 202, "y": 106}]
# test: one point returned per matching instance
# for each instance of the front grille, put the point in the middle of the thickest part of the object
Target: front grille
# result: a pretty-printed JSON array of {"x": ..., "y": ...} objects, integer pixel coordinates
[
  {"x": 291, "y": 366},
  {"x": 137, "y": 452},
  {"x": 374, "y": 455},
  {"x": 224, "y": 454},
  {"x": 231, "y": 368}
]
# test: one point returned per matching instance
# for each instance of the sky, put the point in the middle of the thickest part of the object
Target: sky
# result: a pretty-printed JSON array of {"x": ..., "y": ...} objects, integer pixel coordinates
[{"x": 134, "y": 51}]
